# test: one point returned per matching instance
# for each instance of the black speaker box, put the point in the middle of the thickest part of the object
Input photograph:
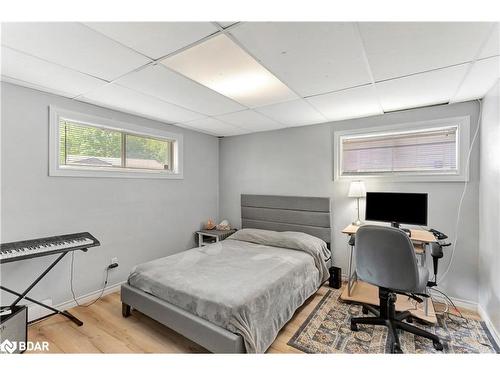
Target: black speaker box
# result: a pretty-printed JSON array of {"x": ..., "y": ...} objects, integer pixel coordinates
[{"x": 335, "y": 280}]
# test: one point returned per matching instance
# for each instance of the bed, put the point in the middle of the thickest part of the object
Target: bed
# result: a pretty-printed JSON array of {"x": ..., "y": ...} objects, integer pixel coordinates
[{"x": 235, "y": 296}]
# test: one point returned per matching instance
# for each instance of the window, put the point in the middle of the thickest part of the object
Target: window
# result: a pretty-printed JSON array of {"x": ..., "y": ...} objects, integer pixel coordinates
[
  {"x": 425, "y": 151},
  {"x": 82, "y": 145},
  {"x": 147, "y": 153},
  {"x": 431, "y": 150},
  {"x": 102, "y": 149}
]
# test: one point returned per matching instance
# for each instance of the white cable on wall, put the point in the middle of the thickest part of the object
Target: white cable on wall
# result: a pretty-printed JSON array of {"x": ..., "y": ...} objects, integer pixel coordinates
[{"x": 457, "y": 223}]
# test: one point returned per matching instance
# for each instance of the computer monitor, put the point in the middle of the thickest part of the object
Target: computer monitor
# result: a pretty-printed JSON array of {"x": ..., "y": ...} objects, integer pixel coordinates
[{"x": 397, "y": 208}]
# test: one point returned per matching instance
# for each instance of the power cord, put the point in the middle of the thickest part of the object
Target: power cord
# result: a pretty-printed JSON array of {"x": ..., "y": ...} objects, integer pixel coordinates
[
  {"x": 448, "y": 315},
  {"x": 414, "y": 303},
  {"x": 71, "y": 284},
  {"x": 448, "y": 299},
  {"x": 463, "y": 192}
]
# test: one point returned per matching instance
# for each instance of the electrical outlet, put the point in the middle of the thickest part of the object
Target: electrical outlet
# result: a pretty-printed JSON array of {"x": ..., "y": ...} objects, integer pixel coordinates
[{"x": 114, "y": 260}]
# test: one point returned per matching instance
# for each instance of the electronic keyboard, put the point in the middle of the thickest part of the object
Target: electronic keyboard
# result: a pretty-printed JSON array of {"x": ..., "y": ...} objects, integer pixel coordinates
[
  {"x": 14, "y": 251},
  {"x": 62, "y": 245}
]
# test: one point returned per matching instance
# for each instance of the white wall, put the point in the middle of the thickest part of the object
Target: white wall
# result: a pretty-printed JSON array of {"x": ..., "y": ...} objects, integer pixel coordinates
[
  {"x": 136, "y": 220},
  {"x": 299, "y": 161},
  {"x": 489, "y": 209}
]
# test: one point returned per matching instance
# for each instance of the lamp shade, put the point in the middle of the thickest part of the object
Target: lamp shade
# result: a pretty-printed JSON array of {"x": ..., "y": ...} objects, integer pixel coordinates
[{"x": 357, "y": 189}]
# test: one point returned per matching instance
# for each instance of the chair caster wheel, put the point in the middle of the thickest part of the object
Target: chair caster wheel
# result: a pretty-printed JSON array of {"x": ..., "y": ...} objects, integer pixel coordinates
[
  {"x": 409, "y": 319},
  {"x": 354, "y": 327},
  {"x": 396, "y": 349},
  {"x": 364, "y": 310},
  {"x": 437, "y": 345}
]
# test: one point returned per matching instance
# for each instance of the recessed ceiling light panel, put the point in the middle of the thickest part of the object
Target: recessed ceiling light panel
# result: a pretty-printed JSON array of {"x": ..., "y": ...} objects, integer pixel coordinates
[{"x": 223, "y": 66}]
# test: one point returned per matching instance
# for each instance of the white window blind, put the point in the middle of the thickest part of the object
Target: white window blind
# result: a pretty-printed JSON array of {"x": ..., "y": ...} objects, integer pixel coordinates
[
  {"x": 88, "y": 146},
  {"x": 83, "y": 145},
  {"x": 427, "y": 151}
]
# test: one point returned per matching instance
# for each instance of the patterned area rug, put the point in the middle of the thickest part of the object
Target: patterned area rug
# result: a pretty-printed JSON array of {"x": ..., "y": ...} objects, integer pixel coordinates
[{"x": 327, "y": 330}]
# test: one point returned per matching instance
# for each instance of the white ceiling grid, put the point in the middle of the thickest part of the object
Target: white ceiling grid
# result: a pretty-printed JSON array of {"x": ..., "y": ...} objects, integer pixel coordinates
[{"x": 296, "y": 73}]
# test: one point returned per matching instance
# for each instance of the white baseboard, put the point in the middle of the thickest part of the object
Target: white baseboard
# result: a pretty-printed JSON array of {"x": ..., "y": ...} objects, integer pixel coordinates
[
  {"x": 89, "y": 297},
  {"x": 494, "y": 332},
  {"x": 36, "y": 311},
  {"x": 459, "y": 302}
]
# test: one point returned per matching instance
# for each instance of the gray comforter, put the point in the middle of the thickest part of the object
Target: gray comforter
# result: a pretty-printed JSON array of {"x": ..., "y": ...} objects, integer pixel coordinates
[{"x": 250, "y": 284}]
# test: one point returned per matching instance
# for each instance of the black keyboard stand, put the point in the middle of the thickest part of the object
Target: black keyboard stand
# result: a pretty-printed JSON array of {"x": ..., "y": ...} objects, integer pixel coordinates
[{"x": 23, "y": 295}]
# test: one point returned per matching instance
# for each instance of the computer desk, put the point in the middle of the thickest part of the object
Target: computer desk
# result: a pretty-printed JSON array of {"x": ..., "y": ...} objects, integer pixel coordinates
[{"x": 360, "y": 291}]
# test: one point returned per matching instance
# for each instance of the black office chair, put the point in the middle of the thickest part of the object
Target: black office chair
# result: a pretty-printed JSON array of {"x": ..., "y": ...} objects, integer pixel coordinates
[{"x": 385, "y": 257}]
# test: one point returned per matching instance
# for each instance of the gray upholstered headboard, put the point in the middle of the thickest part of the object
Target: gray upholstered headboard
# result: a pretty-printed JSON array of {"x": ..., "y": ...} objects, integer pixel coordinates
[{"x": 310, "y": 215}]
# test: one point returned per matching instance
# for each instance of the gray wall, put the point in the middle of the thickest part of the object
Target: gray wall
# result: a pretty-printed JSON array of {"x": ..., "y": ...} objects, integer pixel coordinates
[
  {"x": 139, "y": 220},
  {"x": 489, "y": 208},
  {"x": 299, "y": 161},
  {"x": 136, "y": 220}
]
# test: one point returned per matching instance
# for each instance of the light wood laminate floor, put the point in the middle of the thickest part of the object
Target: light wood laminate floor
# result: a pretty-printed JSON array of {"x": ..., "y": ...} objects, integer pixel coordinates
[{"x": 106, "y": 331}]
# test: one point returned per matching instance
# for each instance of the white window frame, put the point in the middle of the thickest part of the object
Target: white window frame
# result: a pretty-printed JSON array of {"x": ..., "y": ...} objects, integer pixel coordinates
[
  {"x": 463, "y": 135},
  {"x": 55, "y": 169}
]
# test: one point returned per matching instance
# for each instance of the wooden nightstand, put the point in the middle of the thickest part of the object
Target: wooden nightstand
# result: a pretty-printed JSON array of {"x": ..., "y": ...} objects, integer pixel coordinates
[{"x": 208, "y": 237}]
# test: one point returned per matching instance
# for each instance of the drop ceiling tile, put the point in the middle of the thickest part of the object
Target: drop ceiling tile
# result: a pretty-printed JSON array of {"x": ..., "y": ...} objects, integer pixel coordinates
[
  {"x": 351, "y": 103},
  {"x": 492, "y": 46},
  {"x": 422, "y": 89},
  {"x": 215, "y": 127},
  {"x": 223, "y": 66},
  {"x": 310, "y": 57},
  {"x": 293, "y": 113},
  {"x": 395, "y": 49},
  {"x": 155, "y": 39},
  {"x": 30, "y": 71},
  {"x": 126, "y": 100},
  {"x": 479, "y": 80},
  {"x": 72, "y": 45},
  {"x": 174, "y": 88},
  {"x": 250, "y": 120},
  {"x": 226, "y": 24}
]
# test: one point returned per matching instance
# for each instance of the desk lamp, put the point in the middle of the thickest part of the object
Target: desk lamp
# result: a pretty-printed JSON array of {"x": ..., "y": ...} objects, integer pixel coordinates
[{"x": 357, "y": 190}]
